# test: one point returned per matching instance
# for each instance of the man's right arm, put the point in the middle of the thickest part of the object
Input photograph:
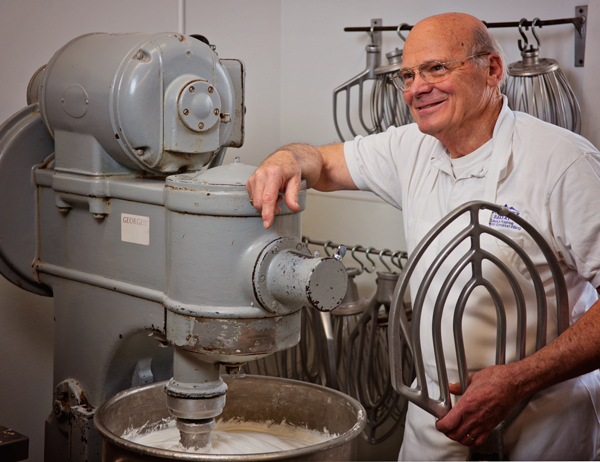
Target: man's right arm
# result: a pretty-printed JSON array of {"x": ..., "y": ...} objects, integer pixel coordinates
[{"x": 324, "y": 168}]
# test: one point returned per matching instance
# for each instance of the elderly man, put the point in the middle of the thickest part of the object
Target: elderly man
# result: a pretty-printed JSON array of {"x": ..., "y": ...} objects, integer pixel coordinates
[{"x": 467, "y": 145}]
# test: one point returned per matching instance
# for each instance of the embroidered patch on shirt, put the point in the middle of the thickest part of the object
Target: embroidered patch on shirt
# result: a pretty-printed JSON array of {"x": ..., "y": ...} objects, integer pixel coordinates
[{"x": 504, "y": 222}]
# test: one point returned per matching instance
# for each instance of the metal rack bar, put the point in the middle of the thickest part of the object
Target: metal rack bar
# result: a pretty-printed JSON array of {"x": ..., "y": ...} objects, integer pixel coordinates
[
  {"x": 357, "y": 248},
  {"x": 394, "y": 256},
  {"x": 577, "y": 21}
]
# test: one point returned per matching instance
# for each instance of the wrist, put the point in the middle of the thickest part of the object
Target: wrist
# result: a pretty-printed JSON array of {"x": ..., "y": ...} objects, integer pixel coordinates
[{"x": 529, "y": 375}]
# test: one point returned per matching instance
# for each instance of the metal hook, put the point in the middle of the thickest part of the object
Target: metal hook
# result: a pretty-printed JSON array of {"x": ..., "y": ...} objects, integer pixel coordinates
[
  {"x": 306, "y": 241},
  {"x": 533, "y": 24},
  {"x": 325, "y": 248},
  {"x": 400, "y": 33},
  {"x": 396, "y": 255},
  {"x": 521, "y": 22},
  {"x": 370, "y": 249},
  {"x": 362, "y": 266},
  {"x": 340, "y": 253},
  {"x": 383, "y": 262},
  {"x": 372, "y": 33}
]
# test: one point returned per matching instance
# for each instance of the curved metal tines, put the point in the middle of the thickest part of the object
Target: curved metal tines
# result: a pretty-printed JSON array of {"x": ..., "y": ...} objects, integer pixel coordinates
[
  {"x": 405, "y": 339},
  {"x": 548, "y": 97},
  {"x": 388, "y": 107},
  {"x": 367, "y": 373},
  {"x": 373, "y": 62}
]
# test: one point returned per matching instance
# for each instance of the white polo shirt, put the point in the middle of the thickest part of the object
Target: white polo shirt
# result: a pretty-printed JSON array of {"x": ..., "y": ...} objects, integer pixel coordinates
[{"x": 551, "y": 178}]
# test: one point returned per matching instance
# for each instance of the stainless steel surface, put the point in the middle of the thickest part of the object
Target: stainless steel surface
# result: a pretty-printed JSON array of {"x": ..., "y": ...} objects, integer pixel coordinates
[
  {"x": 405, "y": 337},
  {"x": 539, "y": 87},
  {"x": 251, "y": 398}
]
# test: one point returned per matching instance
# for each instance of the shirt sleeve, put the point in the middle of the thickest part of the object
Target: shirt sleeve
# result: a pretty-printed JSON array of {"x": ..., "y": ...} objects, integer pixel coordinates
[
  {"x": 379, "y": 163},
  {"x": 576, "y": 227}
]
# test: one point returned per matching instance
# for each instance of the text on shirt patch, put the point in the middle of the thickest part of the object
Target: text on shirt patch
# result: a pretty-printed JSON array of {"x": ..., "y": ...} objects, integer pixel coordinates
[{"x": 499, "y": 221}]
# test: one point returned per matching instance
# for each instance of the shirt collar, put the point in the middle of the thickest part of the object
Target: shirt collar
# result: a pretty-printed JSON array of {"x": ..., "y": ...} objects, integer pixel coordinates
[{"x": 440, "y": 158}]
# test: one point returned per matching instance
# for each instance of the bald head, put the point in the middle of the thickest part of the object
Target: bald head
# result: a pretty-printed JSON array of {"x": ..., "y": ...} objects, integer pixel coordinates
[
  {"x": 465, "y": 35},
  {"x": 455, "y": 29}
]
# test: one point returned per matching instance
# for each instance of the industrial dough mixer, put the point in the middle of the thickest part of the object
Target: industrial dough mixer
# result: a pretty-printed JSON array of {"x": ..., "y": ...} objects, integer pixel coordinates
[{"x": 114, "y": 203}]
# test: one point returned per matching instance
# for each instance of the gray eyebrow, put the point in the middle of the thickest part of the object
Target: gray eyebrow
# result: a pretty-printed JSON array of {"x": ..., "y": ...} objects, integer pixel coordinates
[{"x": 404, "y": 69}]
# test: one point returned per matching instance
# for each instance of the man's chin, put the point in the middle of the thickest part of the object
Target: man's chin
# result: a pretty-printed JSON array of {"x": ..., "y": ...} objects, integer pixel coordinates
[{"x": 427, "y": 128}]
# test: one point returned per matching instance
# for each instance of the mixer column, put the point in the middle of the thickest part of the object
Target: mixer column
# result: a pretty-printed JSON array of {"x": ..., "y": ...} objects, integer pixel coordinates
[{"x": 195, "y": 396}]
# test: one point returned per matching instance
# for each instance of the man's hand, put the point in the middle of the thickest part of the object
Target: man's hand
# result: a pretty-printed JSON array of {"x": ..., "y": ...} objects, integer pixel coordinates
[
  {"x": 324, "y": 168},
  {"x": 492, "y": 393},
  {"x": 278, "y": 173}
]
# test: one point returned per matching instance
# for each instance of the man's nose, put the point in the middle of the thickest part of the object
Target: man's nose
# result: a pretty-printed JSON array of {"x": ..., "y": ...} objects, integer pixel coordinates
[{"x": 419, "y": 85}]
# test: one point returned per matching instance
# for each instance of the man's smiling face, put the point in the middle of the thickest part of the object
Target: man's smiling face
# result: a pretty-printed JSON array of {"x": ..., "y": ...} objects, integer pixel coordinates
[{"x": 447, "y": 108}]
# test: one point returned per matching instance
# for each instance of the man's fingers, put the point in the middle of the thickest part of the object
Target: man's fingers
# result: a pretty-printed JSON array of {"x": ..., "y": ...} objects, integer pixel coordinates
[
  {"x": 449, "y": 422},
  {"x": 263, "y": 188},
  {"x": 291, "y": 193},
  {"x": 279, "y": 173},
  {"x": 455, "y": 388}
]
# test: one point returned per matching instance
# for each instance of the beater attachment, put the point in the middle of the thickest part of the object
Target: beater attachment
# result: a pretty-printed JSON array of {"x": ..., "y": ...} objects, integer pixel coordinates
[
  {"x": 373, "y": 62},
  {"x": 538, "y": 87},
  {"x": 405, "y": 337},
  {"x": 387, "y": 106}
]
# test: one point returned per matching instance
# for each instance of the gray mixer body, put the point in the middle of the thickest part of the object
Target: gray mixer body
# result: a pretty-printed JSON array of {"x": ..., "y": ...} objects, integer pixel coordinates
[{"x": 160, "y": 268}]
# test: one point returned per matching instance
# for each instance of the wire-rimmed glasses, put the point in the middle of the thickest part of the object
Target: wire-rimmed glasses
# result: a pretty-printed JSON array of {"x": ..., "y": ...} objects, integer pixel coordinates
[{"x": 430, "y": 72}]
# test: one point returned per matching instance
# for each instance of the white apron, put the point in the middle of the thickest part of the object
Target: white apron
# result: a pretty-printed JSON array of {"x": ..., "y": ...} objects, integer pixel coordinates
[{"x": 540, "y": 431}]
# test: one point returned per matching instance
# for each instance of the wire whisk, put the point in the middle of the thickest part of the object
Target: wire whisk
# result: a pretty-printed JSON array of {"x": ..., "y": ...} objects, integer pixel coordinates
[{"x": 539, "y": 87}]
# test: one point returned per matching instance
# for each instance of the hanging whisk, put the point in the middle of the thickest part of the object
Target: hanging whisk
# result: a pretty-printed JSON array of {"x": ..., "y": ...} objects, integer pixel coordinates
[
  {"x": 539, "y": 87},
  {"x": 387, "y": 103}
]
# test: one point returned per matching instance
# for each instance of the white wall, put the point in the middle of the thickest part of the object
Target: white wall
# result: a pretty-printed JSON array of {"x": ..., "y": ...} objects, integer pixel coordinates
[{"x": 296, "y": 52}]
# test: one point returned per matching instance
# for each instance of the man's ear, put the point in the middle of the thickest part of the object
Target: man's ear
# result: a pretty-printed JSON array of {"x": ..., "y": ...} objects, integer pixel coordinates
[{"x": 495, "y": 70}]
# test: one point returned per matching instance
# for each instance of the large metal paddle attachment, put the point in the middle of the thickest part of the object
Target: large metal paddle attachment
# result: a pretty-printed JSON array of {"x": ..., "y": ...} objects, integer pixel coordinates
[{"x": 405, "y": 336}]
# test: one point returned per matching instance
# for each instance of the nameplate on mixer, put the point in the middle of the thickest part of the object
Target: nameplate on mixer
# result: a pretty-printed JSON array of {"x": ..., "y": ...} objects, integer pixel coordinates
[{"x": 135, "y": 229}]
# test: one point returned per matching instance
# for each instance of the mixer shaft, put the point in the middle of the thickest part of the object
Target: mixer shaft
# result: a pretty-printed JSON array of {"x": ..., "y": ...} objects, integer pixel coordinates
[{"x": 195, "y": 434}]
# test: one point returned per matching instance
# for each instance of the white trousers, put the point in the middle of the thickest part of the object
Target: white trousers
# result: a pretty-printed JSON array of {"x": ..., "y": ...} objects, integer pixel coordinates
[{"x": 560, "y": 423}]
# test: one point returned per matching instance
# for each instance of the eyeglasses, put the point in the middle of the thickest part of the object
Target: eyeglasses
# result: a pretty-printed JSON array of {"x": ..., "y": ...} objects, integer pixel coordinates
[{"x": 430, "y": 72}]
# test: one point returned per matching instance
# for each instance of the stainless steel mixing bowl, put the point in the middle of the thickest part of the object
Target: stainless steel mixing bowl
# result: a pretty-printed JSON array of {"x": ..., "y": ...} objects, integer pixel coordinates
[{"x": 251, "y": 398}]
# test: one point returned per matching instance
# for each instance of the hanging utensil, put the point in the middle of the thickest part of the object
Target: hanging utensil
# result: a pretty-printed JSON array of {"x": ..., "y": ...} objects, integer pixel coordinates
[
  {"x": 388, "y": 107},
  {"x": 539, "y": 87},
  {"x": 367, "y": 366},
  {"x": 373, "y": 62},
  {"x": 345, "y": 317}
]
